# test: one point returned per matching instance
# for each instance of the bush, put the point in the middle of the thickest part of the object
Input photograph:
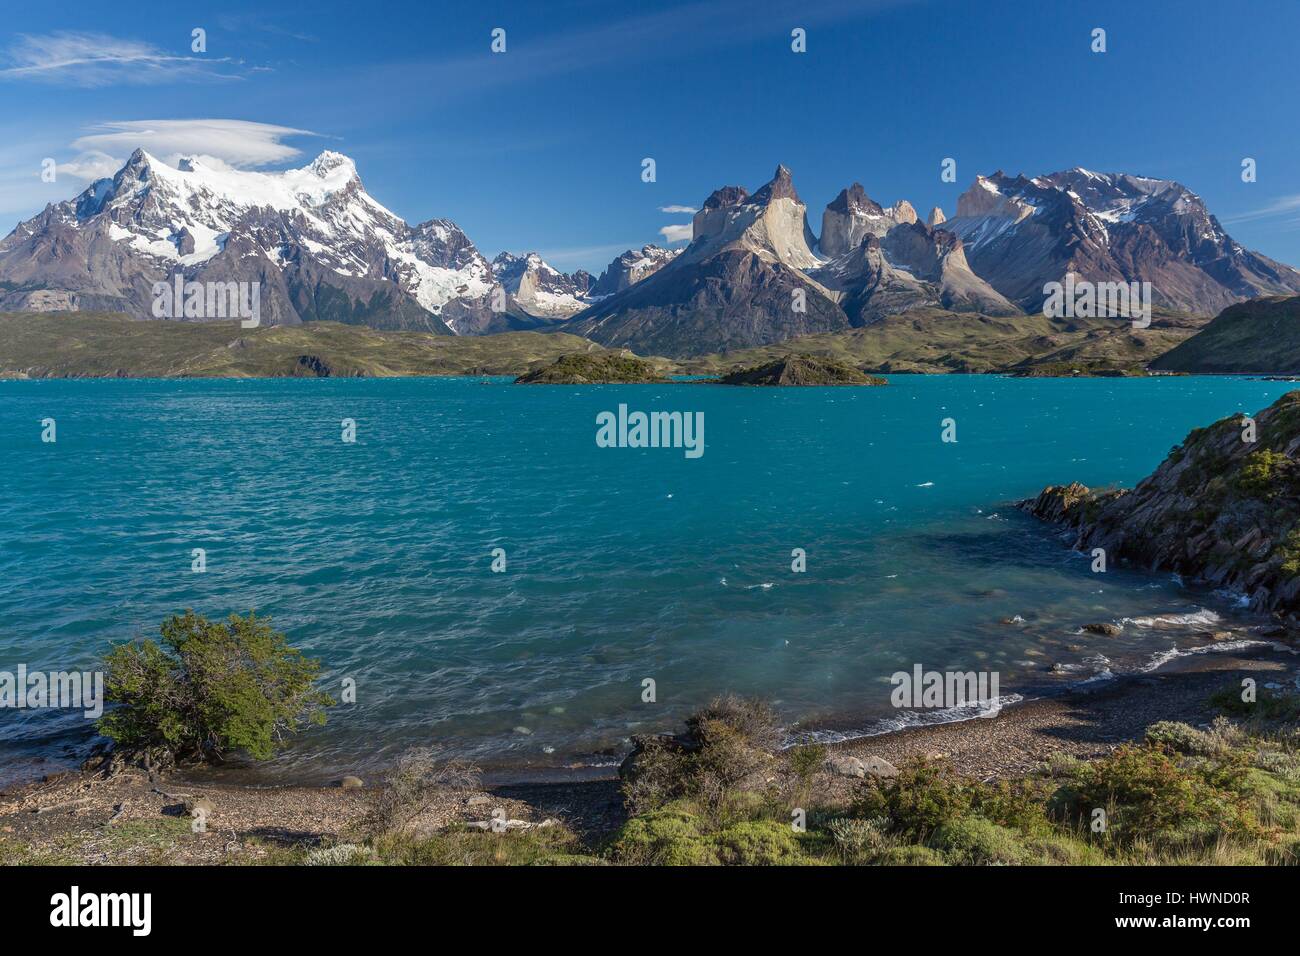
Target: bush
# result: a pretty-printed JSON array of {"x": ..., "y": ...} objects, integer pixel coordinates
[
  {"x": 758, "y": 843},
  {"x": 1267, "y": 705},
  {"x": 1147, "y": 795},
  {"x": 1181, "y": 738},
  {"x": 922, "y": 798},
  {"x": 667, "y": 837},
  {"x": 855, "y": 839},
  {"x": 725, "y": 753},
  {"x": 412, "y": 786},
  {"x": 1266, "y": 474},
  {"x": 210, "y": 689},
  {"x": 980, "y": 842}
]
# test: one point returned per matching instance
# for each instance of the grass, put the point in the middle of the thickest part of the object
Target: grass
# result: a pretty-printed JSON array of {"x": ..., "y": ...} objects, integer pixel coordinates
[{"x": 99, "y": 345}]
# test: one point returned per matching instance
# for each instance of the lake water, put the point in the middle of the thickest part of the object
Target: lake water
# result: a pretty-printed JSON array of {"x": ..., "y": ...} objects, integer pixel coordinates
[{"x": 621, "y": 564}]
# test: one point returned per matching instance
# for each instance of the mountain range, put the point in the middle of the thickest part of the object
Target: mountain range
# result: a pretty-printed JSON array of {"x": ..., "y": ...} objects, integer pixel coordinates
[{"x": 323, "y": 249}]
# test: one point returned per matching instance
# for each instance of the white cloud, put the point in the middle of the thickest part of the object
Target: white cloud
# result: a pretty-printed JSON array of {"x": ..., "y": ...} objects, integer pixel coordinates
[
  {"x": 90, "y": 166},
  {"x": 97, "y": 59},
  {"x": 680, "y": 233},
  {"x": 235, "y": 143},
  {"x": 688, "y": 209}
]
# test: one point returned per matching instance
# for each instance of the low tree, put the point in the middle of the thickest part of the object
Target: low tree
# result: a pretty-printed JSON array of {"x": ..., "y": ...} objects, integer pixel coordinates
[{"x": 210, "y": 689}]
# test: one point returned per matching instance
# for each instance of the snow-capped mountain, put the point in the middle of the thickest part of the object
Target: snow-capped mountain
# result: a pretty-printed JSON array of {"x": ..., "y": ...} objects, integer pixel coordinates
[
  {"x": 630, "y": 268},
  {"x": 540, "y": 290},
  {"x": 321, "y": 247},
  {"x": 1020, "y": 233}
]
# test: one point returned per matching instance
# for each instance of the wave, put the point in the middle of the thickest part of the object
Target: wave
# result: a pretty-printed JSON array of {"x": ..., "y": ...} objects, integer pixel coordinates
[
  {"x": 906, "y": 719},
  {"x": 1202, "y": 617}
]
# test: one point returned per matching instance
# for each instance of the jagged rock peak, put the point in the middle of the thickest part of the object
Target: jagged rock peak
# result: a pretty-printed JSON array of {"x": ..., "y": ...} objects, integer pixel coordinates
[
  {"x": 726, "y": 196},
  {"x": 855, "y": 199},
  {"x": 780, "y": 187},
  {"x": 936, "y": 217},
  {"x": 903, "y": 212}
]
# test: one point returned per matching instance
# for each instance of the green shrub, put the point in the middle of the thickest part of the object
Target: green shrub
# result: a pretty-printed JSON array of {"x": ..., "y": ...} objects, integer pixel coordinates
[
  {"x": 1289, "y": 552},
  {"x": 804, "y": 763},
  {"x": 856, "y": 839},
  {"x": 1268, "y": 705},
  {"x": 758, "y": 843},
  {"x": 1265, "y": 474},
  {"x": 669, "y": 836},
  {"x": 912, "y": 855},
  {"x": 725, "y": 756},
  {"x": 976, "y": 841},
  {"x": 1147, "y": 795},
  {"x": 210, "y": 689},
  {"x": 1181, "y": 738}
]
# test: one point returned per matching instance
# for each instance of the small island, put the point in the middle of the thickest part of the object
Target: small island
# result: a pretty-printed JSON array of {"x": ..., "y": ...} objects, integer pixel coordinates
[
  {"x": 600, "y": 368},
  {"x": 800, "y": 370}
]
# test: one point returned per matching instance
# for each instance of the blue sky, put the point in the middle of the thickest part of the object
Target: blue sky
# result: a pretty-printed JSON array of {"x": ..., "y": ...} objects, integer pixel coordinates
[{"x": 540, "y": 148}]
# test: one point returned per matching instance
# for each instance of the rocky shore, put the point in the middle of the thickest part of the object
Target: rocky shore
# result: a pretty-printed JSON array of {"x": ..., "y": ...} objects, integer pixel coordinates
[
  {"x": 1223, "y": 509},
  {"x": 133, "y": 818}
]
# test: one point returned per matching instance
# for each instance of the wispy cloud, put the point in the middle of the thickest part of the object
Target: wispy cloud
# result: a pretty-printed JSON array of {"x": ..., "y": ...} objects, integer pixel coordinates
[
  {"x": 1282, "y": 206},
  {"x": 98, "y": 59},
  {"x": 687, "y": 209},
  {"x": 680, "y": 233},
  {"x": 672, "y": 32},
  {"x": 237, "y": 143}
]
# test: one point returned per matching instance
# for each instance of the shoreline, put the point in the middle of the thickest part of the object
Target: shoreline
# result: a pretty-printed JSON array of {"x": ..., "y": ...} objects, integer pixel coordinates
[{"x": 74, "y": 810}]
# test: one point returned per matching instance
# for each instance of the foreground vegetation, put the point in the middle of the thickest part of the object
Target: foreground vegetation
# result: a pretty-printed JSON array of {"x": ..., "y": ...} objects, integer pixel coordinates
[{"x": 722, "y": 792}]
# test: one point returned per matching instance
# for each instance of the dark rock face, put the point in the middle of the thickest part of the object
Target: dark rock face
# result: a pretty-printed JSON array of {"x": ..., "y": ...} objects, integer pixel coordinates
[
  {"x": 729, "y": 301},
  {"x": 780, "y": 187},
  {"x": 854, "y": 199},
  {"x": 1021, "y": 233},
  {"x": 726, "y": 196},
  {"x": 1220, "y": 510}
]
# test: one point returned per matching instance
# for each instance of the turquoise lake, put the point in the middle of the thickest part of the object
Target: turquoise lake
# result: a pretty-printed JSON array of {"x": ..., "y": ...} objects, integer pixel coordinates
[{"x": 621, "y": 564}]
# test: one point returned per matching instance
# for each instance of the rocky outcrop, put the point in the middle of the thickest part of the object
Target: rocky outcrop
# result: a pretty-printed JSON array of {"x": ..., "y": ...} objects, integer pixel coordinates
[
  {"x": 800, "y": 370},
  {"x": 852, "y": 216},
  {"x": 1220, "y": 510},
  {"x": 936, "y": 217},
  {"x": 912, "y": 266}
]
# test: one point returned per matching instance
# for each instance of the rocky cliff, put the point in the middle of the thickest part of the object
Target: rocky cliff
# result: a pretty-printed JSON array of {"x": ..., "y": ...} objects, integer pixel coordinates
[{"x": 1220, "y": 510}]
